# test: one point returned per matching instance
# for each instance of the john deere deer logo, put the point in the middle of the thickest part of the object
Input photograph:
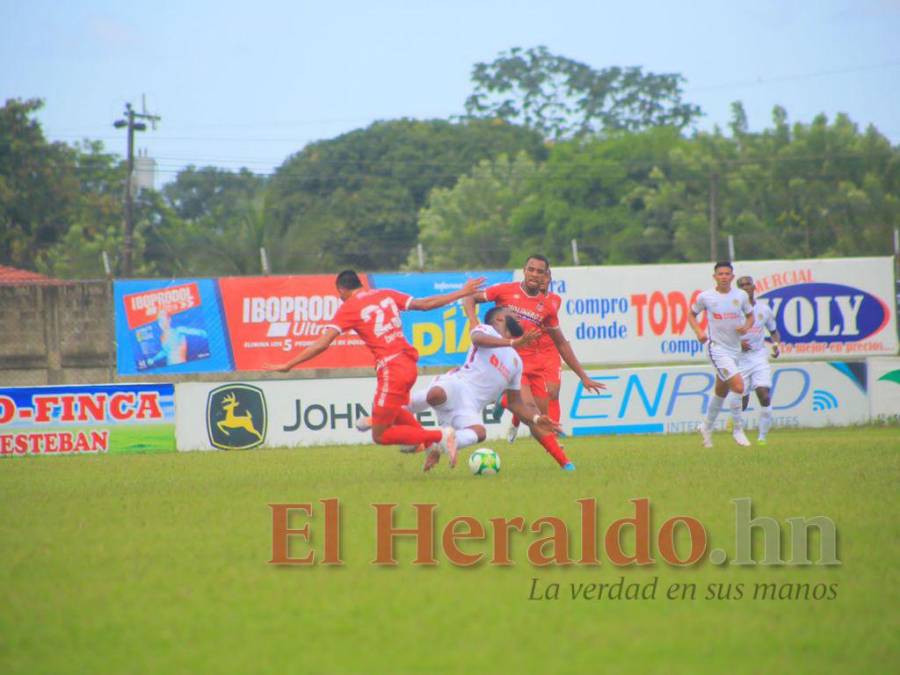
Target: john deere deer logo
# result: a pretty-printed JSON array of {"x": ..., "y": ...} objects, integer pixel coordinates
[{"x": 236, "y": 417}]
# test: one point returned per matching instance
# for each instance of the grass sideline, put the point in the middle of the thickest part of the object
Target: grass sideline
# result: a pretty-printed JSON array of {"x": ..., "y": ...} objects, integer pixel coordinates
[{"x": 158, "y": 563}]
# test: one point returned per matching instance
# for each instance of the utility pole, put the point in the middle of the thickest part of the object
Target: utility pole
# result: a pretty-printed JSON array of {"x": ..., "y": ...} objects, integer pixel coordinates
[
  {"x": 129, "y": 122},
  {"x": 714, "y": 216}
]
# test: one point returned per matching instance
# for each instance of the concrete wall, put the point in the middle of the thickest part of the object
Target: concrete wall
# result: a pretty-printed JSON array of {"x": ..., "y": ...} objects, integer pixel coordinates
[{"x": 56, "y": 334}]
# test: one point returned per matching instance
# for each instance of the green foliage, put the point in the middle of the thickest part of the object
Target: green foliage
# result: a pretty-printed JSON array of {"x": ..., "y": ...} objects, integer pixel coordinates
[
  {"x": 210, "y": 223},
  {"x": 38, "y": 185},
  {"x": 354, "y": 200},
  {"x": 563, "y": 98},
  {"x": 469, "y": 225},
  {"x": 480, "y": 193}
]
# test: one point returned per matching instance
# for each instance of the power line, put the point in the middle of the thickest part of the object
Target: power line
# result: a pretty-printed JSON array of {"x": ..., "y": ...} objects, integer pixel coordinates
[{"x": 793, "y": 78}]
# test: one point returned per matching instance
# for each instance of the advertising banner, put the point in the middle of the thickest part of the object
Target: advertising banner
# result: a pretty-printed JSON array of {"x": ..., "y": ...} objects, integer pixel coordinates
[
  {"x": 441, "y": 336},
  {"x": 675, "y": 399},
  {"x": 270, "y": 319},
  {"x": 884, "y": 388},
  {"x": 837, "y": 308},
  {"x": 241, "y": 416},
  {"x": 171, "y": 326},
  {"x": 90, "y": 419}
]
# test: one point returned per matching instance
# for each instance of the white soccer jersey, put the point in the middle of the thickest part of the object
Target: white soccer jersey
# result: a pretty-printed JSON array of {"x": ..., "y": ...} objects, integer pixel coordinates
[
  {"x": 763, "y": 320},
  {"x": 489, "y": 371},
  {"x": 725, "y": 312}
]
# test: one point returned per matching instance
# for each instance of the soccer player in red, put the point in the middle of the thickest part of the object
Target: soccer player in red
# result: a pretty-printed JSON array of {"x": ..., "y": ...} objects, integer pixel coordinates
[
  {"x": 374, "y": 315},
  {"x": 535, "y": 311},
  {"x": 551, "y": 368}
]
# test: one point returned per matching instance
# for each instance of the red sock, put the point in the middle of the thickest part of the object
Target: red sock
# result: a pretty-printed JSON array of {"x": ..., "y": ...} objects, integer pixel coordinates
[
  {"x": 553, "y": 409},
  {"x": 515, "y": 420},
  {"x": 552, "y": 446},
  {"x": 406, "y": 434}
]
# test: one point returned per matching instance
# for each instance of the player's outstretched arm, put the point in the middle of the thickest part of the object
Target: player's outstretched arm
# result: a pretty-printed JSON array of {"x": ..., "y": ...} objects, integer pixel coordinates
[
  {"x": 434, "y": 301},
  {"x": 481, "y": 339},
  {"x": 568, "y": 355},
  {"x": 316, "y": 348}
]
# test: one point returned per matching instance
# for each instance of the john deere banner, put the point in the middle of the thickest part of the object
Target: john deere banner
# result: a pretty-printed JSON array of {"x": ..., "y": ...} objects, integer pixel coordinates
[{"x": 91, "y": 419}]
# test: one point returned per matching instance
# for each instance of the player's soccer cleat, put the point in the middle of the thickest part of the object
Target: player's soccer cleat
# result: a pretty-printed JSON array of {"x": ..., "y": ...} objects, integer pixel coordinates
[
  {"x": 432, "y": 457},
  {"x": 448, "y": 442},
  {"x": 568, "y": 466},
  {"x": 740, "y": 437},
  {"x": 412, "y": 449},
  {"x": 706, "y": 433},
  {"x": 511, "y": 432},
  {"x": 364, "y": 424},
  {"x": 761, "y": 441}
]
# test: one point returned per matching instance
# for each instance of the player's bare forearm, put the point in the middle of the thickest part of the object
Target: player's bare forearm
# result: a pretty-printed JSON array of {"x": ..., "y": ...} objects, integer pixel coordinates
[
  {"x": 469, "y": 310},
  {"x": 483, "y": 340},
  {"x": 695, "y": 326},
  {"x": 310, "y": 352},
  {"x": 528, "y": 412},
  {"x": 434, "y": 301},
  {"x": 747, "y": 325},
  {"x": 568, "y": 355},
  {"x": 776, "y": 338}
]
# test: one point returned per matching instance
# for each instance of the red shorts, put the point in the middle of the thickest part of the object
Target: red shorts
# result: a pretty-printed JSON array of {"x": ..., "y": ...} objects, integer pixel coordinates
[
  {"x": 534, "y": 376},
  {"x": 395, "y": 380},
  {"x": 553, "y": 369}
]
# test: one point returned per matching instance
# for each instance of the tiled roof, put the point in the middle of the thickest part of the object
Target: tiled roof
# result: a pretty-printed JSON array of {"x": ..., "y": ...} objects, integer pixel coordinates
[{"x": 12, "y": 276}]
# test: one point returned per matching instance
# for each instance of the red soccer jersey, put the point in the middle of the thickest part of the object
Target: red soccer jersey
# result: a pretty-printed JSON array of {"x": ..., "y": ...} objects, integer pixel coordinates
[
  {"x": 545, "y": 344},
  {"x": 532, "y": 311},
  {"x": 375, "y": 316}
]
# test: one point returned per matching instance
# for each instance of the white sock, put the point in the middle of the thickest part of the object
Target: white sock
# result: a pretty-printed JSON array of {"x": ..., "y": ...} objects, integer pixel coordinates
[
  {"x": 465, "y": 438},
  {"x": 765, "y": 420},
  {"x": 418, "y": 401},
  {"x": 715, "y": 405},
  {"x": 734, "y": 404}
]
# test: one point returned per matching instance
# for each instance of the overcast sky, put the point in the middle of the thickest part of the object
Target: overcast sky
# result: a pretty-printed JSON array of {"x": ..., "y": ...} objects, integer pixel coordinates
[{"x": 248, "y": 84}]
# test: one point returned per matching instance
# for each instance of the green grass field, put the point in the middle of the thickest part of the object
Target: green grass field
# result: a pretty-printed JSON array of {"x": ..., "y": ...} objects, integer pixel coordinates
[{"x": 158, "y": 563}]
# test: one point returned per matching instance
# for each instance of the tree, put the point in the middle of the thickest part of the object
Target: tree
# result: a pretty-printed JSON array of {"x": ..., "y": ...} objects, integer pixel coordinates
[
  {"x": 94, "y": 221},
  {"x": 563, "y": 98},
  {"x": 38, "y": 185},
  {"x": 469, "y": 225},
  {"x": 354, "y": 200}
]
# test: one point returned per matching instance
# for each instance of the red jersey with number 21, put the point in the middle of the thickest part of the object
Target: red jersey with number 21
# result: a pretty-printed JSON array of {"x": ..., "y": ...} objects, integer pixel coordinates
[
  {"x": 375, "y": 316},
  {"x": 532, "y": 311}
]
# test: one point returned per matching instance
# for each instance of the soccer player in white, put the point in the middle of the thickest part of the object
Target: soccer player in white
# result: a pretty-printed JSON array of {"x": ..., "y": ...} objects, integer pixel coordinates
[
  {"x": 729, "y": 316},
  {"x": 492, "y": 367},
  {"x": 754, "y": 358}
]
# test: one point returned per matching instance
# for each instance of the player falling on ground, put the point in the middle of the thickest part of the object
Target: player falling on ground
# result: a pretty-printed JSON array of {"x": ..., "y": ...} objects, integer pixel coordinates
[
  {"x": 753, "y": 360},
  {"x": 491, "y": 368},
  {"x": 374, "y": 315},
  {"x": 534, "y": 311},
  {"x": 730, "y": 316},
  {"x": 552, "y": 367}
]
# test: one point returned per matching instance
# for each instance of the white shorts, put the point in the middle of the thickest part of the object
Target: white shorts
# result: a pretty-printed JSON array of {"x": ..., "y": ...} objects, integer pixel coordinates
[
  {"x": 459, "y": 410},
  {"x": 723, "y": 360},
  {"x": 755, "y": 370}
]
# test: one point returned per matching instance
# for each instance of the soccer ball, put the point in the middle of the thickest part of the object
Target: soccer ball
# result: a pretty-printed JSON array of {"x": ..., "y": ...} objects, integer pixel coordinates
[{"x": 484, "y": 462}]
